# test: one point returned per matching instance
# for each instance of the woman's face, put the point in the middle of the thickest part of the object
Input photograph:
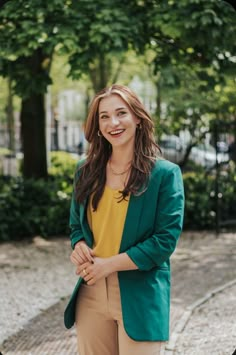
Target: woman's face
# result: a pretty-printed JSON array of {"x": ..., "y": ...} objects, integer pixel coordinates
[{"x": 116, "y": 121}]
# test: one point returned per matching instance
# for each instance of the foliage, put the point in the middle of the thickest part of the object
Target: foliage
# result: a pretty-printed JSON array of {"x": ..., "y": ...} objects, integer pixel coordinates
[
  {"x": 4, "y": 151},
  {"x": 89, "y": 32},
  {"x": 31, "y": 207},
  {"x": 30, "y": 29},
  {"x": 63, "y": 165},
  {"x": 197, "y": 38},
  {"x": 194, "y": 67},
  {"x": 104, "y": 34},
  {"x": 227, "y": 184},
  {"x": 200, "y": 207},
  {"x": 93, "y": 35}
]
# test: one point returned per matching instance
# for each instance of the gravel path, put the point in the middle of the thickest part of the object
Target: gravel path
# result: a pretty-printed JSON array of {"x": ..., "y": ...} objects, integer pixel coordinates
[
  {"x": 212, "y": 327},
  {"x": 36, "y": 279},
  {"x": 33, "y": 277}
]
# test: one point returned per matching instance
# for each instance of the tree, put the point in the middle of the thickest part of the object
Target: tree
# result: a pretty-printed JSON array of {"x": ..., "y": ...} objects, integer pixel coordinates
[
  {"x": 192, "y": 31},
  {"x": 110, "y": 30},
  {"x": 29, "y": 34},
  {"x": 190, "y": 60},
  {"x": 31, "y": 31},
  {"x": 91, "y": 33}
]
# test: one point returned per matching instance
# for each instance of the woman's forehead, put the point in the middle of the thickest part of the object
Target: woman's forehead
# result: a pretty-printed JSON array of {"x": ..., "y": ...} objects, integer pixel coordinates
[{"x": 112, "y": 102}]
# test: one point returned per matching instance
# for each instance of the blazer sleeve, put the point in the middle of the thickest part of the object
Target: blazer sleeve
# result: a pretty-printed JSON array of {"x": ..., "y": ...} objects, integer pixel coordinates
[
  {"x": 156, "y": 249},
  {"x": 74, "y": 223}
]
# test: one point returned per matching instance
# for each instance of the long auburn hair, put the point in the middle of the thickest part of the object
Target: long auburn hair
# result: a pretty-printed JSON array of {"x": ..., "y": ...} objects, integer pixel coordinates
[{"x": 92, "y": 173}]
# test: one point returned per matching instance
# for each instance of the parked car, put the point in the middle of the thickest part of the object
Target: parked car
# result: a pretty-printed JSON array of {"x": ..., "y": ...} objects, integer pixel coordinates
[
  {"x": 205, "y": 155},
  {"x": 222, "y": 147},
  {"x": 173, "y": 149}
]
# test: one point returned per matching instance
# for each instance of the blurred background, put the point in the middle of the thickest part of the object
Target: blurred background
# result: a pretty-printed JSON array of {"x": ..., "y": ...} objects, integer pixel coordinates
[{"x": 178, "y": 56}]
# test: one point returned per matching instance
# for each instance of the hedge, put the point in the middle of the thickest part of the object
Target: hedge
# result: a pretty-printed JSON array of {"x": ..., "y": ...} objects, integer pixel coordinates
[{"x": 30, "y": 207}]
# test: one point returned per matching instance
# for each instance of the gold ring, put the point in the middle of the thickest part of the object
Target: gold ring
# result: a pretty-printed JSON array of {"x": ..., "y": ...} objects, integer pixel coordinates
[{"x": 84, "y": 271}]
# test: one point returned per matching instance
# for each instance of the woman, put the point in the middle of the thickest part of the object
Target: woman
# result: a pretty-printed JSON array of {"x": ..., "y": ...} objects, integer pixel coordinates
[{"x": 126, "y": 217}]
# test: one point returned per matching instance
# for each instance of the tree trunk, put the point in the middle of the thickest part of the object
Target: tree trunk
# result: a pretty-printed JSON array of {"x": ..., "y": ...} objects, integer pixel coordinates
[
  {"x": 33, "y": 119},
  {"x": 100, "y": 73},
  {"x": 103, "y": 71},
  {"x": 10, "y": 120},
  {"x": 158, "y": 106}
]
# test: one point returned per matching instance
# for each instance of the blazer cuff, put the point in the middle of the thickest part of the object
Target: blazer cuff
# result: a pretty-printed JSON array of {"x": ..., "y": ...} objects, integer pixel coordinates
[
  {"x": 138, "y": 256},
  {"x": 76, "y": 240}
]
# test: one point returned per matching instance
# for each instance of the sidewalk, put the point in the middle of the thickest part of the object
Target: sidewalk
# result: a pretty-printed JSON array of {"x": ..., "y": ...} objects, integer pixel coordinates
[{"x": 38, "y": 278}]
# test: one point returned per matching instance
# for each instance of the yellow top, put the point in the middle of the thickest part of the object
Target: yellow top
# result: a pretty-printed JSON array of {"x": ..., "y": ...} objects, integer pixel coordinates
[{"x": 107, "y": 223}]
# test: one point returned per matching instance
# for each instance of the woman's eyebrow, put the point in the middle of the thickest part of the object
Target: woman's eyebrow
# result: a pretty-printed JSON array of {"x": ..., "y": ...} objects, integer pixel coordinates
[
  {"x": 102, "y": 112},
  {"x": 117, "y": 109},
  {"x": 120, "y": 108}
]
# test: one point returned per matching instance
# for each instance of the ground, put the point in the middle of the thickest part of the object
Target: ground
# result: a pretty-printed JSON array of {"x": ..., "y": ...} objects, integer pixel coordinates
[{"x": 37, "y": 279}]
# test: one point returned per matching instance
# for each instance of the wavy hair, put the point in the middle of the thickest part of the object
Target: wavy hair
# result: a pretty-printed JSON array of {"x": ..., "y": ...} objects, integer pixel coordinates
[{"x": 92, "y": 173}]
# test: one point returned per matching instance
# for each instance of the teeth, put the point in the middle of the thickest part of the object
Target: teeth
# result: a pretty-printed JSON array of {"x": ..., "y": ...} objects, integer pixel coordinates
[{"x": 116, "y": 132}]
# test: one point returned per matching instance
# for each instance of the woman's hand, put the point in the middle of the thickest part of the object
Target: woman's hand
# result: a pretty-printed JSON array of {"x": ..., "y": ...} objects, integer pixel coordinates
[
  {"x": 81, "y": 254},
  {"x": 92, "y": 272}
]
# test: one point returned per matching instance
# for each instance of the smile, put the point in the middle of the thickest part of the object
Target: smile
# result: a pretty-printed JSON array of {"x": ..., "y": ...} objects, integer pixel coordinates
[{"x": 116, "y": 132}]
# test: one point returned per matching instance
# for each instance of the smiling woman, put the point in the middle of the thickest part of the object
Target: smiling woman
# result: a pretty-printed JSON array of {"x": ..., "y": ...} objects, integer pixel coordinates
[
  {"x": 118, "y": 125},
  {"x": 126, "y": 217}
]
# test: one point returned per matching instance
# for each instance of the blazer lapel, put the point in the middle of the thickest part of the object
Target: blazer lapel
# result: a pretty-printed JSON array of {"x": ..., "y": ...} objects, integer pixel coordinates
[
  {"x": 84, "y": 223},
  {"x": 132, "y": 221}
]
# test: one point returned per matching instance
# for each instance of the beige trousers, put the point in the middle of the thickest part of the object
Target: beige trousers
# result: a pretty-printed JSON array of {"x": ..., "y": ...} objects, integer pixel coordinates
[{"x": 99, "y": 325}]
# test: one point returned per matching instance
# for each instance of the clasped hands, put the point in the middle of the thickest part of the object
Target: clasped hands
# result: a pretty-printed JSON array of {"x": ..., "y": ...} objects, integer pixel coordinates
[{"x": 88, "y": 266}]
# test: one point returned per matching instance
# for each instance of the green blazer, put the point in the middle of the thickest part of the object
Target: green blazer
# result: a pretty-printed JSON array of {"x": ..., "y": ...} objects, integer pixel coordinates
[{"x": 152, "y": 227}]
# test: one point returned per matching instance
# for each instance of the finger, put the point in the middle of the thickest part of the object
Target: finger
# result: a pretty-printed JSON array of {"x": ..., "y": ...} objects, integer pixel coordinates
[
  {"x": 82, "y": 257},
  {"x": 91, "y": 282},
  {"x": 76, "y": 259},
  {"x": 73, "y": 259},
  {"x": 85, "y": 275},
  {"x": 92, "y": 253},
  {"x": 79, "y": 261},
  {"x": 86, "y": 253},
  {"x": 79, "y": 255},
  {"x": 82, "y": 267},
  {"x": 88, "y": 277},
  {"x": 79, "y": 249}
]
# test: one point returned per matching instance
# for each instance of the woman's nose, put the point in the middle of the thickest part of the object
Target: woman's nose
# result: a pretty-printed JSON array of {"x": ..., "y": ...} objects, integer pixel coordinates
[{"x": 114, "y": 120}]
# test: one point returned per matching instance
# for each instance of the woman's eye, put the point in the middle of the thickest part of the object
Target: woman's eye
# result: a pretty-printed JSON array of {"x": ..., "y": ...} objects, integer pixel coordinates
[
  {"x": 121, "y": 113},
  {"x": 103, "y": 117}
]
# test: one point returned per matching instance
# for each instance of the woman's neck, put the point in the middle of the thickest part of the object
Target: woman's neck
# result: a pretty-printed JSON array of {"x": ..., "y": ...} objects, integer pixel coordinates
[
  {"x": 118, "y": 168},
  {"x": 121, "y": 157}
]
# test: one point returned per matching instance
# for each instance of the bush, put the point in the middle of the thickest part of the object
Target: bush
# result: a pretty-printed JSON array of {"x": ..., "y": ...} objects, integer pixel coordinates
[
  {"x": 200, "y": 205},
  {"x": 37, "y": 207},
  {"x": 62, "y": 164},
  {"x": 30, "y": 207},
  {"x": 227, "y": 193}
]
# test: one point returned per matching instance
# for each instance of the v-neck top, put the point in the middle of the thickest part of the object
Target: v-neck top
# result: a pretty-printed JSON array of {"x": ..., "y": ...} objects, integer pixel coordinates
[{"x": 107, "y": 222}]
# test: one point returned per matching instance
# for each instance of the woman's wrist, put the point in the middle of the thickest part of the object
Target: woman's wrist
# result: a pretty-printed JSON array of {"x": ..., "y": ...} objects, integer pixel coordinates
[{"x": 121, "y": 262}]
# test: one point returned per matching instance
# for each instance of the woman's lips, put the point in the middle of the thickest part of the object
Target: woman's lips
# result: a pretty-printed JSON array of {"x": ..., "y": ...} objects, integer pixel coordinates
[{"x": 116, "y": 133}]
